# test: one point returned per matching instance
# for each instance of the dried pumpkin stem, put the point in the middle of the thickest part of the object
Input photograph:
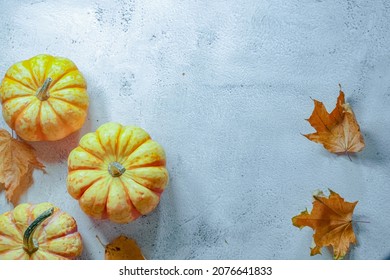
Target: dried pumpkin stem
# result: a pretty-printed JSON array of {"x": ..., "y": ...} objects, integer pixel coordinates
[
  {"x": 31, "y": 244},
  {"x": 43, "y": 92},
  {"x": 116, "y": 169}
]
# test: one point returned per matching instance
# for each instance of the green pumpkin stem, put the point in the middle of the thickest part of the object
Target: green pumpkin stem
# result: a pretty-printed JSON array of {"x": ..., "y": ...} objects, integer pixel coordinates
[
  {"x": 116, "y": 169},
  {"x": 30, "y": 244},
  {"x": 43, "y": 92}
]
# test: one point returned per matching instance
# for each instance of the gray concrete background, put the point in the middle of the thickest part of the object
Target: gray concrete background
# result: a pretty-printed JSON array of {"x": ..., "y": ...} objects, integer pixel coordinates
[{"x": 225, "y": 87}]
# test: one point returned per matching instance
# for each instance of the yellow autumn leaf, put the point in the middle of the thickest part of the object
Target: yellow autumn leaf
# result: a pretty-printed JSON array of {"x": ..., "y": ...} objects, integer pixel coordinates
[{"x": 123, "y": 248}]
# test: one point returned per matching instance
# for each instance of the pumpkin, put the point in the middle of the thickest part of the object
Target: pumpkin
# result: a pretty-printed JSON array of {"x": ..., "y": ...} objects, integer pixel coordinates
[
  {"x": 117, "y": 173},
  {"x": 44, "y": 98},
  {"x": 38, "y": 232}
]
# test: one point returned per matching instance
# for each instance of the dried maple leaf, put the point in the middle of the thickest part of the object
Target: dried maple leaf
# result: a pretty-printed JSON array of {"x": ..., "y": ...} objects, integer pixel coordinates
[
  {"x": 331, "y": 220},
  {"x": 17, "y": 162},
  {"x": 338, "y": 131},
  {"x": 122, "y": 248}
]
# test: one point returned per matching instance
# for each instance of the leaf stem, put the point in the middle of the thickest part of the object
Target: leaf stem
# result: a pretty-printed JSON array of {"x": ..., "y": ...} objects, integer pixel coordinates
[
  {"x": 364, "y": 222},
  {"x": 101, "y": 243},
  {"x": 346, "y": 152}
]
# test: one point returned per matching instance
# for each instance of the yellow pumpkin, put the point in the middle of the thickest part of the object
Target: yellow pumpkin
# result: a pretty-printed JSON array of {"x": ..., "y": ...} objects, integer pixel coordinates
[
  {"x": 38, "y": 232},
  {"x": 44, "y": 98},
  {"x": 117, "y": 172}
]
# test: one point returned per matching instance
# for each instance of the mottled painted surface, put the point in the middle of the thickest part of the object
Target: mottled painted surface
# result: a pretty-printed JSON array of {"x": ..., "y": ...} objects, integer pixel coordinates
[{"x": 224, "y": 87}]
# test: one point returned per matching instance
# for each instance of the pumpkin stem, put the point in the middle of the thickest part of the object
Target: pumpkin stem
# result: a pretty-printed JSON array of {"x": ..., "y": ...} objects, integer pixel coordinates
[
  {"x": 43, "y": 92},
  {"x": 116, "y": 169},
  {"x": 31, "y": 244}
]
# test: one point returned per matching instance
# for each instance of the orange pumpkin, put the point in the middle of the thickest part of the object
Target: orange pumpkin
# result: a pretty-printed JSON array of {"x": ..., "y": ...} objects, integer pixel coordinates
[
  {"x": 117, "y": 172},
  {"x": 38, "y": 232},
  {"x": 44, "y": 98}
]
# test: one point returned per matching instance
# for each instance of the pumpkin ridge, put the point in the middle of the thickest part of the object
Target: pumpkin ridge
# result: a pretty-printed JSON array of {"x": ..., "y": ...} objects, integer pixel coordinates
[
  {"x": 48, "y": 252},
  {"x": 12, "y": 221},
  {"x": 127, "y": 143},
  {"x": 29, "y": 68},
  {"x": 63, "y": 234},
  {"x": 39, "y": 124},
  {"x": 48, "y": 66},
  {"x": 91, "y": 153},
  {"x": 135, "y": 147},
  {"x": 11, "y": 238},
  {"x": 105, "y": 185},
  {"x": 57, "y": 114},
  {"x": 57, "y": 254},
  {"x": 23, "y": 226},
  {"x": 22, "y": 112},
  {"x": 128, "y": 198},
  {"x": 16, "y": 97},
  {"x": 68, "y": 102},
  {"x": 159, "y": 163},
  {"x": 54, "y": 82},
  {"x": 86, "y": 187},
  {"x": 48, "y": 221},
  {"x": 108, "y": 186},
  {"x": 84, "y": 168},
  {"x": 142, "y": 187},
  {"x": 18, "y": 257},
  {"x": 64, "y": 255},
  {"x": 19, "y": 82},
  {"x": 105, "y": 211},
  {"x": 100, "y": 142},
  {"x": 134, "y": 178},
  {"x": 67, "y": 87},
  {"x": 117, "y": 143},
  {"x": 110, "y": 146}
]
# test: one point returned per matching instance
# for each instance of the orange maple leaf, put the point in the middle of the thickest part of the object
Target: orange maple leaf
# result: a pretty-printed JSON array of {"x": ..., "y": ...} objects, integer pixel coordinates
[
  {"x": 122, "y": 248},
  {"x": 17, "y": 162},
  {"x": 331, "y": 220},
  {"x": 338, "y": 131}
]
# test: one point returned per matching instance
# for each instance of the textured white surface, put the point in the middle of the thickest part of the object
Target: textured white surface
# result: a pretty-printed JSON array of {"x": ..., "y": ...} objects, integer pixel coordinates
[{"x": 225, "y": 87}]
